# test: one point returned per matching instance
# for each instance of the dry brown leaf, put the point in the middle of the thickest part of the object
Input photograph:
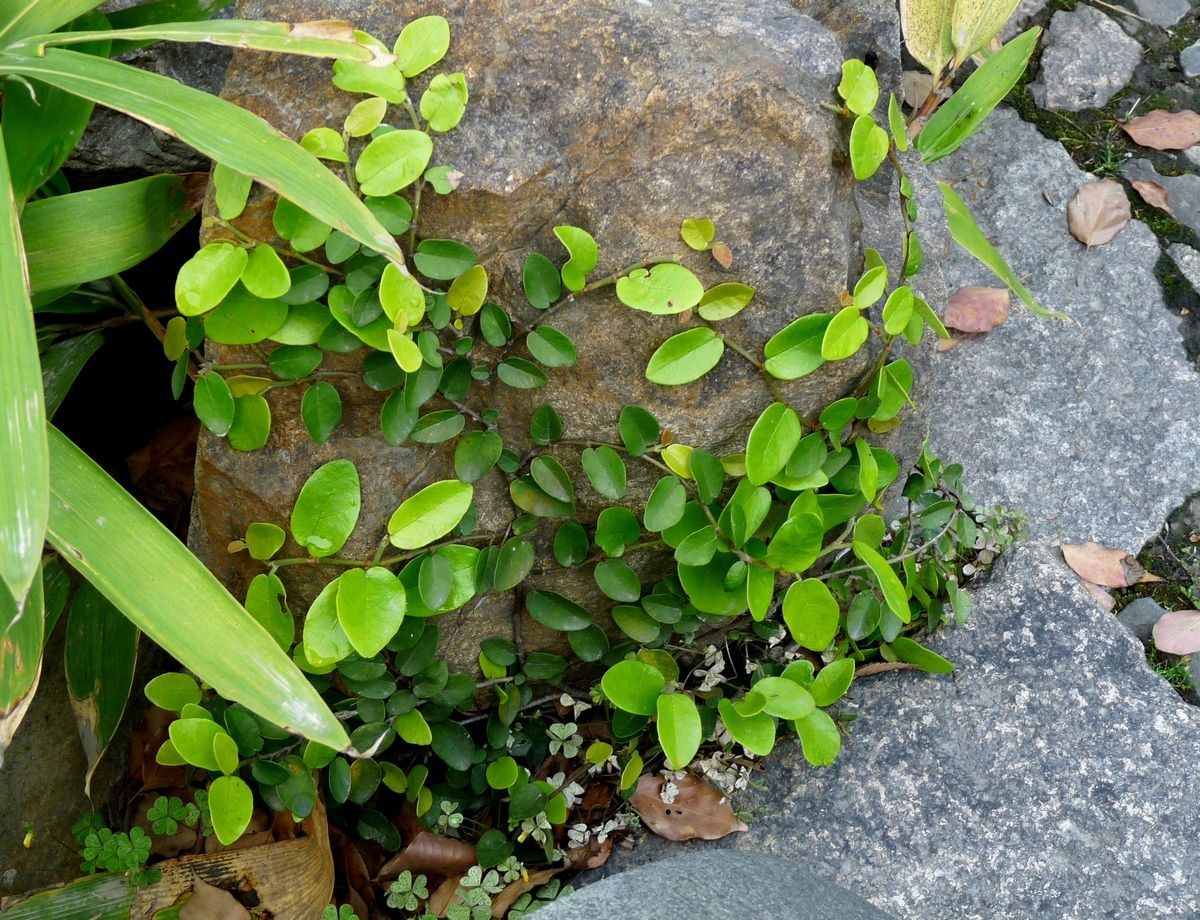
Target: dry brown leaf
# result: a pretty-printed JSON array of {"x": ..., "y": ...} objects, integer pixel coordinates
[
  {"x": 1162, "y": 130},
  {"x": 948, "y": 344},
  {"x": 443, "y": 896},
  {"x": 506, "y": 898},
  {"x": 1153, "y": 194},
  {"x": 431, "y": 854},
  {"x": 1178, "y": 632},
  {"x": 591, "y": 855},
  {"x": 977, "y": 309},
  {"x": 209, "y": 903},
  {"x": 723, "y": 254},
  {"x": 1098, "y": 212},
  {"x": 1103, "y": 598},
  {"x": 1112, "y": 568},
  {"x": 915, "y": 86},
  {"x": 699, "y": 812}
]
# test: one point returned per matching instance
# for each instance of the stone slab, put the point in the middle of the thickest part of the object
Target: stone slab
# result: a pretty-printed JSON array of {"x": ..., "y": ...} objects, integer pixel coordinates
[
  {"x": 1188, "y": 260},
  {"x": 1086, "y": 60},
  {"x": 1051, "y": 774}
]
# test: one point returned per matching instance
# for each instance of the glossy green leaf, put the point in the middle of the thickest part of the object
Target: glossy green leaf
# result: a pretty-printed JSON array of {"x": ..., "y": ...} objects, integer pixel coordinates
[
  {"x": 811, "y": 614},
  {"x": 192, "y": 737},
  {"x": 636, "y": 623},
  {"x": 214, "y": 403},
  {"x": 868, "y": 147},
  {"x": 208, "y": 276},
  {"x": 796, "y": 544},
  {"x": 443, "y": 260},
  {"x": 616, "y": 528},
  {"x": 723, "y": 301},
  {"x": 327, "y": 508},
  {"x": 897, "y": 125},
  {"x": 231, "y": 804},
  {"x": 832, "y": 681},
  {"x": 251, "y": 426},
  {"x": 858, "y": 88},
  {"x": 321, "y": 409},
  {"x": 412, "y": 728},
  {"x": 605, "y": 471},
  {"x": 551, "y": 347},
  {"x": 243, "y": 319},
  {"x": 541, "y": 281},
  {"x": 783, "y": 698},
  {"x": 370, "y": 608},
  {"x": 476, "y": 454},
  {"x": 639, "y": 430},
  {"x": 265, "y": 275},
  {"x": 325, "y": 144},
  {"x": 665, "y": 505},
  {"x": 633, "y": 686},
  {"x": 266, "y": 601},
  {"x": 685, "y": 357},
  {"x": 445, "y": 101},
  {"x": 618, "y": 581},
  {"x": 755, "y": 733},
  {"x": 366, "y": 116},
  {"x": 894, "y": 592},
  {"x": 581, "y": 247},
  {"x": 173, "y": 691},
  {"x": 422, "y": 43},
  {"x": 264, "y": 540},
  {"x": 913, "y": 652},
  {"x": 571, "y": 543},
  {"x": 325, "y": 642},
  {"x": 521, "y": 374},
  {"x": 678, "y": 729},
  {"x": 503, "y": 773},
  {"x": 664, "y": 289},
  {"x": 967, "y": 234},
  {"x": 393, "y": 161},
  {"x": 429, "y": 514},
  {"x": 552, "y": 478},
  {"x": 514, "y": 563},
  {"x": 845, "y": 334},
  {"x": 819, "y": 738},
  {"x": 870, "y": 286},
  {"x": 300, "y": 228},
  {"x": 554, "y": 611},
  {"x": 527, "y": 496},
  {"x": 705, "y": 587},
  {"x": 771, "y": 442},
  {"x": 698, "y": 233},
  {"x": 231, "y": 191},
  {"x": 220, "y": 130},
  {"x": 795, "y": 350}
]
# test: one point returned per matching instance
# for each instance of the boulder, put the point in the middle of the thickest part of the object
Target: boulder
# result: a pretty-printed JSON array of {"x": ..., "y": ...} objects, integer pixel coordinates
[
  {"x": 622, "y": 119},
  {"x": 1087, "y": 59}
]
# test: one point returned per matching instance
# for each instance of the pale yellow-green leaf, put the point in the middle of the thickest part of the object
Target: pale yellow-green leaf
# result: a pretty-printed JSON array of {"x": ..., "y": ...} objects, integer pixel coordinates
[
  {"x": 974, "y": 23},
  {"x": 926, "y": 28}
]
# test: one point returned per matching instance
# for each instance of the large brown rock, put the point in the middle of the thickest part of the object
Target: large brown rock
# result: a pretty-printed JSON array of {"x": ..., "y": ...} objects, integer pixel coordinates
[{"x": 622, "y": 118}]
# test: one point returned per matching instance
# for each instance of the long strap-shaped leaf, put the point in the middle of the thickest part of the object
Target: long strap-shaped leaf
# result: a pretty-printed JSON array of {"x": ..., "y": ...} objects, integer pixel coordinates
[
  {"x": 165, "y": 590},
  {"x": 24, "y": 476},
  {"x": 19, "y": 18},
  {"x": 217, "y": 128},
  {"x": 326, "y": 38}
]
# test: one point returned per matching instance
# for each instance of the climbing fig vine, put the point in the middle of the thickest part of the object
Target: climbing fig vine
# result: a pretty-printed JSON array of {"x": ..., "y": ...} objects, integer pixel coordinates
[{"x": 795, "y": 566}]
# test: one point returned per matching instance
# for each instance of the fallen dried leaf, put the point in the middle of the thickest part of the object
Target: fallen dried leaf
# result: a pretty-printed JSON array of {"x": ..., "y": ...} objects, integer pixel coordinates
[
  {"x": 431, "y": 854},
  {"x": 1103, "y": 598},
  {"x": 1098, "y": 212},
  {"x": 443, "y": 896},
  {"x": 948, "y": 344},
  {"x": 723, "y": 254},
  {"x": 977, "y": 309},
  {"x": 1112, "y": 568},
  {"x": 1178, "y": 632},
  {"x": 506, "y": 898},
  {"x": 699, "y": 811},
  {"x": 1153, "y": 194},
  {"x": 1162, "y": 130},
  {"x": 209, "y": 903},
  {"x": 916, "y": 85}
]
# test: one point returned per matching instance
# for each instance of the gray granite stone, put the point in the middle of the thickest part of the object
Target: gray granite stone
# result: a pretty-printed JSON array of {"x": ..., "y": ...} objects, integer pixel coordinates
[
  {"x": 1189, "y": 60},
  {"x": 1140, "y": 616},
  {"x": 1183, "y": 191},
  {"x": 1051, "y": 774},
  {"x": 1188, "y": 260},
  {"x": 1162, "y": 12},
  {"x": 715, "y": 886},
  {"x": 1087, "y": 58}
]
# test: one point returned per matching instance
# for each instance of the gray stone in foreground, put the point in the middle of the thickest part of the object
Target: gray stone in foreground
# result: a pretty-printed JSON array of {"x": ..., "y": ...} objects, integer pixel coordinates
[
  {"x": 715, "y": 886},
  {"x": 1087, "y": 59},
  {"x": 1140, "y": 616},
  {"x": 1183, "y": 191},
  {"x": 1052, "y": 775},
  {"x": 1189, "y": 60},
  {"x": 1188, "y": 260}
]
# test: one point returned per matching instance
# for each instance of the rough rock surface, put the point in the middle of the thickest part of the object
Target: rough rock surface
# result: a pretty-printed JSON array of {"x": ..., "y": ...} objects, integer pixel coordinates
[
  {"x": 715, "y": 886},
  {"x": 1162, "y": 12},
  {"x": 1051, "y": 774},
  {"x": 620, "y": 118},
  {"x": 1189, "y": 60},
  {"x": 1087, "y": 58},
  {"x": 1140, "y": 616},
  {"x": 1188, "y": 260},
  {"x": 1183, "y": 191}
]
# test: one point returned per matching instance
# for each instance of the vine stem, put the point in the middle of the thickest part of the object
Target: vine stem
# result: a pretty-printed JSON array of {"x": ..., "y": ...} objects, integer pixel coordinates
[
  {"x": 282, "y": 250},
  {"x": 600, "y": 283},
  {"x": 824, "y": 576},
  {"x": 379, "y": 560}
]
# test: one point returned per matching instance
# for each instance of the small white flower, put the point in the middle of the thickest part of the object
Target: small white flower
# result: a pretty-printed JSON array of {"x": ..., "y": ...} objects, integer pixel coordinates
[
  {"x": 668, "y": 792},
  {"x": 603, "y": 766}
]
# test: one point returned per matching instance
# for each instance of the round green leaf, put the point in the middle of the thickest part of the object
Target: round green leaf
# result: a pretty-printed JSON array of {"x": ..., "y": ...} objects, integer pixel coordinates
[
  {"x": 453, "y": 744},
  {"x": 430, "y": 514},
  {"x": 616, "y": 528},
  {"x": 551, "y": 347},
  {"x": 327, "y": 508},
  {"x": 393, "y": 161},
  {"x": 366, "y": 116},
  {"x": 698, "y": 233},
  {"x": 251, "y": 423},
  {"x": 521, "y": 374},
  {"x": 422, "y": 43},
  {"x": 400, "y": 296},
  {"x": 755, "y": 733},
  {"x": 436, "y": 427},
  {"x": 663, "y": 289},
  {"x": 665, "y": 505},
  {"x": 193, "y": 740},
  {"x": 173, "y": 691},
  {"x": 231, "y": 803},
  {"x": 679, "y": 729},
  {"x": 784, "y": 698},
  {"x": 633, "y": 686},
  {"x": 858, "y": 88},
  {"x": 894, "y": 592},
  {"x": 476, "y": 454},
  {"x": 321, "y": 409},
  {"x": 243, "y": 319},
  {"x": 705, "y": 587},
  {"x": 406, "y": 352},
  {"x": 796, "y": 544},
  {"x": 725, "y": 300},
  {"x": 811, "y": 614},
  {"x": 639, "y": 430},
  {"x": 636, "y": 624},
  {"x": 584, "y": 254},
  {"x": 541, "y": 281},
  {"x": 266, "y": 600},
  {"x": 412, "y": 728},
  {"x": 213, "y": 403},
  {"x": 209, "y": 275},
  {"x": 298, "y": 227},
  {"x": 545, "y": 425},
  {"x": 264, "y": 540},
  {"x": 845, "y": 334},
  {"x": 225, "y": 749},
  {"x": 868, "y": 147},
  {"x": 370, "y": 608},
  {"x": 552, "y": 478},
  {"x": 605, "y": 471},
  {"x": 819, "y": 738},
  {"x": 291, "y": 362},
  {"x": 557, "y": 612},
  {"x": 685, "y": 356},
  {"x": 618, "y": 581},
  {"x": 926, "y": 660},
  {"x": 443, "y": 260},
  {"x": 325, "y": 642},
  {"x": 265, "y": 275},
  {"x": 513, "y": 564},
  {"x": 392, "y": 211},
  {"x": 772, "y": 440},
  {"x": 796, "y": 349},
  {"x": 445, "y": 101},
  {"x": 571, "y": 543},
  {"x": 468, "y": 291},
  {"x": 832, "y": 682},
  {"x": 503, "y": 773}
]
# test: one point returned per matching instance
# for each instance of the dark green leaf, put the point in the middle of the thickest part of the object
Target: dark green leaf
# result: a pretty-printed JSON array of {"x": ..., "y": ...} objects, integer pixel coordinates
[
  {"x": 321, "y": 409},
  {"x": 443, "y": 260},
  {"x": 541, "y": 281},
  {"x": 633, "y": 686},
  {"x": 557, "y": 612}
]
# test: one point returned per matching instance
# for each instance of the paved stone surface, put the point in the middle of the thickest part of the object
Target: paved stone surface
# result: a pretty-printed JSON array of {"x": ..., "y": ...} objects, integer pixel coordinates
[
  {"x": 1140, "y": 616},
  {"x": 1183, "y": 191},
  {"x": 715, "y": 886},
  {"x": 1189, "y": 60},
  {"x": 1087, "y": 58},
  {"x": 1051, "y": 774},
  {"x": 1188, "y": 260},
  {"x": 1162, "y": 12}
]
